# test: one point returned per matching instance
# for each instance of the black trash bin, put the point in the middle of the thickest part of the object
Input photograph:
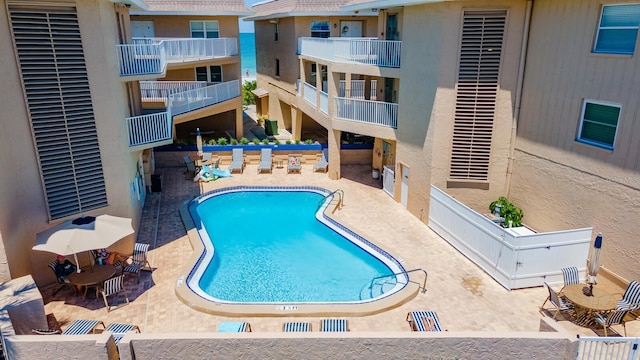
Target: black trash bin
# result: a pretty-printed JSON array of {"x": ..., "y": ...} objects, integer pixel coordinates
[
  {"x": 156, "y": 183},
  {"x": 271, "y": 127}
]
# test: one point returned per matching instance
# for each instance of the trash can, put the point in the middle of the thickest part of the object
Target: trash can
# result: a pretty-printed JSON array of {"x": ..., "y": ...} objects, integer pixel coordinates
[
  {"x": 156, "y": 183},
  {"x": 271, "y": 127}
]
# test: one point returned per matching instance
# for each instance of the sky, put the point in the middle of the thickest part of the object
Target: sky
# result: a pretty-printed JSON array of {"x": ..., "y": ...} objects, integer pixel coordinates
[{"x": 247, "y": 26}]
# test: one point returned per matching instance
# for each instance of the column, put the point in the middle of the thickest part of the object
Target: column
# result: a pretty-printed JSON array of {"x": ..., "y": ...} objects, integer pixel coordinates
[{"x": 334, "y": 154}]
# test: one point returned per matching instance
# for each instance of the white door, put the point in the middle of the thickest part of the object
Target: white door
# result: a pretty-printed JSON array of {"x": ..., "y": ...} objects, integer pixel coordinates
[
  {"x": 351, "y": 29},
  {"x": 404, "y": 188},
  {"x": 142, "y": 29}
]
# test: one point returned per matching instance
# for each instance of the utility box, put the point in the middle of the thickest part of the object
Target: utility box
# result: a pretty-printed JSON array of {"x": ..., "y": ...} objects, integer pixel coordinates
[{"x": 271, "y": 127}]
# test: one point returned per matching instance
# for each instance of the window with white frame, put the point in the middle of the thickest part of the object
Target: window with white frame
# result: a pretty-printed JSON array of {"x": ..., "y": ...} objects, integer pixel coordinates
[
  {"x": 204, "y": 29},
  {"x": 618, "y": 29},
  {"x": 320, "y": 29},
  {"x": 210, "y": 74},
  {"x": 599, "y": 123}
]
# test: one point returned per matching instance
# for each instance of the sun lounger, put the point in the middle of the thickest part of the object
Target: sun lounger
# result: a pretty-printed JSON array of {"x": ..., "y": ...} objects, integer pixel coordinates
[
  {"x": 234, "y": 326},
  {"x": 82, "y": 327},
  {"x": 266, "y": 163},
  {"x": 296, "y": 327},
  {"x": 334, "y": 325},
  {"x": 423, "y": 321},
  {"x": 293, "y": 165},
  {"x": 237, "y": 161},
  {"x": 322, "y": 164},
  {"x": 119, "y": 330}
]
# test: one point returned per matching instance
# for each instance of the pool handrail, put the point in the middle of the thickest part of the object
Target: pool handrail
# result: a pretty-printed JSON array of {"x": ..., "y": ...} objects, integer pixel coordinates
[
  {"x": 406, "y": 272},
  {"x": 340, "y": 203}
]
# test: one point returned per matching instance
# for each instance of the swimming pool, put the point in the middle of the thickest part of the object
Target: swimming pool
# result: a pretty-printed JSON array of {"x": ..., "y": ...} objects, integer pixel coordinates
[{"x": 276, "y": 246}]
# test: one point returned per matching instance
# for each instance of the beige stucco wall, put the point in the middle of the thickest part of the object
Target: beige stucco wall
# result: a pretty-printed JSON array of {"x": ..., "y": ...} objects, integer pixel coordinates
[
  {"x": 21, "y": 186},
  {"x": 558, "y": 182},
  {"x": 178, "y": 26}
]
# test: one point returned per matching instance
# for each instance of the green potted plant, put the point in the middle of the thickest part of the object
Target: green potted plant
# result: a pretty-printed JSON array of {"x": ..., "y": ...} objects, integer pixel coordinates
[
  {"x": 244, "y": 141},
  {"x": 234, "y": 142},
  {"x": 222, "y": 141},
  {"x": 511, "y": 214}
]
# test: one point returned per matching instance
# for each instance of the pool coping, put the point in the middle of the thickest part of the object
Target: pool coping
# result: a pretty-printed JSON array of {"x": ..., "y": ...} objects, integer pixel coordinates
[{"x": 195, "y": 301}]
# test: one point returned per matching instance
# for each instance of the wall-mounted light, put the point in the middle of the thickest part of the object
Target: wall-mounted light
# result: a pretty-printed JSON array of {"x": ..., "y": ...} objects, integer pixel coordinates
[{"x": 274, "y": 21}]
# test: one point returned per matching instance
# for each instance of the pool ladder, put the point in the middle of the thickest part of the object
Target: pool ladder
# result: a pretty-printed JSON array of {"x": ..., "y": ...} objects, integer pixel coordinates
[
  {"x": 422, "y": 287},
  {"x": 339, "y": 204}
]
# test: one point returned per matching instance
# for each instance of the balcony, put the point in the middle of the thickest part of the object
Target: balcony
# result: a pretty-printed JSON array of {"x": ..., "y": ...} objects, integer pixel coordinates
[
  {"x": 366, "y": 51},
  {"x": 160, "y": 91},
  {"x": 146, "y": 131},
  {"x": 366, "y": 111},
  {"x": 150, "y": 56}
]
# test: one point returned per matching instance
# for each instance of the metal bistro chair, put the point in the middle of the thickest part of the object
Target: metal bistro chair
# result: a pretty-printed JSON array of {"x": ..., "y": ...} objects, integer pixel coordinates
[
  {"x": 561, "y": 304},
  {"x": 113, "y": 286},
  {"x": 614, "y": 317},
  {"x": 139, "y": 259}
]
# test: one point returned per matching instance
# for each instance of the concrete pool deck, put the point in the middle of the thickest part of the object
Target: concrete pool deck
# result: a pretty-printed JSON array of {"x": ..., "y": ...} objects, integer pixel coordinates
[{"x": 464, "y": 297}]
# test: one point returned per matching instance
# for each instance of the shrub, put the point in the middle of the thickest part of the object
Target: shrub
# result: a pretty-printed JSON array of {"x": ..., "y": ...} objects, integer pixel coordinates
[
  {"x": 308, "y": 141},
  {"x": 265, "y": 141},
  {"x": 222, "y": 141},
  {"x": 276, "y": 142},
  {"x": 244, "y": 141},
  {"x": 297, "y": 142},
  {"x": 508, "y": 211},
  {"x": 211, "y": 142},
  {"x": 248, "y": 98},
  {"x": 288, "y": 142},
  {"x": 256, "y": 141},
  {"x": 234, "y": 142}
]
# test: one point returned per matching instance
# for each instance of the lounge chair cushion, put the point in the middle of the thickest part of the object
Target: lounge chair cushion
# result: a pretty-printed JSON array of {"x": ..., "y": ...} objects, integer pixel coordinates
[
  {"x": 424, "y": 321},
  {"x": 334, "y": 325},
  {"x": 234, "y": 326},
  {"x": 297, "y": 327},
  {"x": 82, "y": 327}
]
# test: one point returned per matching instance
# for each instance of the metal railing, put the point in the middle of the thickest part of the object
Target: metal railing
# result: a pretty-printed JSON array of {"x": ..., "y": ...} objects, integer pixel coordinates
[
  {"x": 422, "y": 287},
  {"x": 147, "y": 56},
  {"x": 367, "y": 51},
  {"x": 310, "y": 93},
  {"x": 339, "y": 204},
  {"x": 367, "y": 111},
  {"x": 357, "y": 90},
  {"x": 161, "y": 90},
  {"x": 145, "y": 129},
  {"x": 324, "y": 102},
  {"x": 608, "y": 348},
  {"x": 198, "y": 98}
]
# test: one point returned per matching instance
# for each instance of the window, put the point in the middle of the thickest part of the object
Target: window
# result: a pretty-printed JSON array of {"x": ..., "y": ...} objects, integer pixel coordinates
[
  {"x": 599, "y": 123},
  {"x": 618, "y": 29},
  {"x": 210, "y": 74},
  {"x": 320, "y": 29},
  {"x": 277, "y": 67},
  {"x": 204, "y": 29},
  {"x": 276, "y": 29}
]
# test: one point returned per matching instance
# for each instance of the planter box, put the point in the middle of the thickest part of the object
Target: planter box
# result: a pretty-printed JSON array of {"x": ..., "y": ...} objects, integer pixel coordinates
[{"x": 514, "y": 257}]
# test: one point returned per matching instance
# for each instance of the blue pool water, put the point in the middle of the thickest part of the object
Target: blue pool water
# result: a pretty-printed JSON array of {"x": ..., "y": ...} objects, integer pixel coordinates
[
  {"x": 248, "y": 53},
  {"x": 270, "y": 247}
]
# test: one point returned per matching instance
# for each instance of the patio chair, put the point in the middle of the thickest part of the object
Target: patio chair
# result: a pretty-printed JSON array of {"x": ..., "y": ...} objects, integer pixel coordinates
[
  {"x": 334, "y": 325},
  {"x": 423, "y": 321},
  {"x": 608, "y": 319},
  {"x": 571, "y": 276},
  {"x": 118, "y": 264},
  {"x": 560, "y": 303},
  {"x": 631, "y": 297},
  {"x": 191, "y": 167},
  {"x": 237, "y": 161},
  {"x": 296, "y": 327},
  {"x": 113, "y": 286},
  {"x": 139, "y": 259},
  {"x": 234, "y": 326},
  {"x": 119, "y": 330},
  {"x": 266, "y": 163},
  {"x": 322, "y": 164},
  {"x": 293, "y": 165},
  {"x": 62, "y": 281},
  {"x": 83, "y": 327}
]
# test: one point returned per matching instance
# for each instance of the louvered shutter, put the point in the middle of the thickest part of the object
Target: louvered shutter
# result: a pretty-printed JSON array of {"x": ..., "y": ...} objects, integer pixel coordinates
[
  {"x": 477, "y": 87},
  {"x": 56, "y": 86}
]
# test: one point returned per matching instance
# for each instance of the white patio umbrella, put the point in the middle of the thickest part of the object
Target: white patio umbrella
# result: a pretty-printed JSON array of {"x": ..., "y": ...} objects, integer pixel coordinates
[
  {"x": 199, "y": 142},
  {"x": 83, "y": 234},
  {"x": 593, "y": 262}
]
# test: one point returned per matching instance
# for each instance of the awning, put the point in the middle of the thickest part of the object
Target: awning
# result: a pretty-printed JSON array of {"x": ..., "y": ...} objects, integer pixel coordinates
[{"x": 260, "y": 92}]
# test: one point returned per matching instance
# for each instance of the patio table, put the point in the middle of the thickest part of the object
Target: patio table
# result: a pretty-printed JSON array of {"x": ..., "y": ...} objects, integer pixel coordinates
[
  {"x": 92, "y": 277},
  {"x": 599, "y": 302}
]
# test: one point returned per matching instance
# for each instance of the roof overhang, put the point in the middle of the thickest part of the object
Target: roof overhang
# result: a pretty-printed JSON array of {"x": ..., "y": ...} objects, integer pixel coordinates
[
  {"x": 260, "y": 92},
  {"x": 136, "y": 4},
  {"x": 203, "y": 13},
  {"x": 385, "y": 4},
  {"x": 309, "y": 13}
]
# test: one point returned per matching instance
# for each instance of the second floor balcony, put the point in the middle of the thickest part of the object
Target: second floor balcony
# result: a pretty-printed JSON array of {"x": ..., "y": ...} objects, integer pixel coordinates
[
  {"x": 150, "y": 56},
  {"x": 366, "y": 51}
]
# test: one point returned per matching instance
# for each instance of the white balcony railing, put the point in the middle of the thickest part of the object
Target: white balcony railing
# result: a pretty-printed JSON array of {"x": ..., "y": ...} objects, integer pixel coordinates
[
  {"x": 367, "y": 111},
  {"x": 147, "y": 56},
  {"x": 369, "y": 51},
  {"x": 324, "y": 102},
  {"x": 161, "y": 90},
  {"x": 198, "y": 98},
  {"x": 358, "y": 89},
  {"x": 145, "y": 129},
  {"x": 310, "y": 94}
]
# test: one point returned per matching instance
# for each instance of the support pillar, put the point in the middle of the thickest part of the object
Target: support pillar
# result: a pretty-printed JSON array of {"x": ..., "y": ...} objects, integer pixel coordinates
[
  {"x": 296, "y": 123},
  {"x": 367, "y": 87},
  {"x": 334, "y": 154},
  {"x": 239, "y": 123}
]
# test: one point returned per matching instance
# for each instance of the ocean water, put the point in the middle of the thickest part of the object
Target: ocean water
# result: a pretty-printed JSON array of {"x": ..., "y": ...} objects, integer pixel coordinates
[{"x": 248, "y": 54}]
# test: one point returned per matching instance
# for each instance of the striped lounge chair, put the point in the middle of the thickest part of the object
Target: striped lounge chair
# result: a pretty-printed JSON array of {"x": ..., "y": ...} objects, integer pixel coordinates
[
  {"x": 334, "y": 325},
  {"x": 423, "y": 321},
  {"x": 234, "y": 326},
  {"x": 296, "y": 327},
  {"x": 119, "y": 330},
  {"x": 82, "y": 327},
  {"x": 570, "y": 275},
  {"x": 631, "y": 297}
]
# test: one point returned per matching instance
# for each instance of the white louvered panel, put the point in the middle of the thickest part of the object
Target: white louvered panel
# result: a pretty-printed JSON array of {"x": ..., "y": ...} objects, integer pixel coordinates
[
  {"x": 477, "y": 86},
  {"x": 56, "y": 85}
]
